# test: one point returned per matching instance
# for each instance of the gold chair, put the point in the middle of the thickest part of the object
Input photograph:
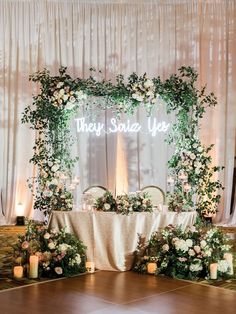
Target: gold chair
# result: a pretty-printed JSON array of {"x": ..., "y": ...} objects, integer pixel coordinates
[{"x": 157, "y": 196}]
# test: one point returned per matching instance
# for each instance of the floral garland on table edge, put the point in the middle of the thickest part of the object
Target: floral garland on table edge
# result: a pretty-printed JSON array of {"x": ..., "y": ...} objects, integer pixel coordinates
[
  {"x": 184, "y": 254},
  {"x": 60, "y": 253},
  {"x": 124, "y": 204},
  {"x": 61, "y": 96}
]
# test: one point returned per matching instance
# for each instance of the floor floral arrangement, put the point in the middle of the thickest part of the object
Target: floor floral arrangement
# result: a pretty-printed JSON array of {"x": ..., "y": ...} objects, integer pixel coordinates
[
  {"x": 58, "y": 253},
  {"x": 189, "y": 254},
  {"x": 124, "y": 204}
]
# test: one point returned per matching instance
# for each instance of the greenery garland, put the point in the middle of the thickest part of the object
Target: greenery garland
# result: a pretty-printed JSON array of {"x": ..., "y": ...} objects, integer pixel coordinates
[{"x": 61, "y": 96}]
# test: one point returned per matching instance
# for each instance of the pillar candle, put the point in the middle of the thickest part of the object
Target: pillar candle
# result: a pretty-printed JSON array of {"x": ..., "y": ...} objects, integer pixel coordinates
[
  {"x": 33, "y": 267},
  {"x": 229, "y": 258},
  {"x": 213, "y": 270},
  {"x": 90, "y": 266},
  {"x": 18, "y": 272},
  {"x": 151, "y": 268}
]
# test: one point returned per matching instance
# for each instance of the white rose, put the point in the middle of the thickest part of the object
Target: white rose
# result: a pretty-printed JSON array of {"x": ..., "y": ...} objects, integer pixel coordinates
[
  {"x": 65, "y": 97},
  {"x": 58, "y": 270},
  {"x": 223, "y": 266},
  {"x": 47, "y": 236},
  {"x": 148, "y": 83},
  {"x": 59, "y": 85},
  {"x": 51, "y": 245},
  {"x": 165, "y": 247},
  {"x": 191, "y": 252},
  {"x": 50, "y": 163},
  {"x": 192, "y": 156},
  {"x": 47, "y": 193},
  {"x": 62, "y": 91},
  {"x": 55, "y": 168},
  {"x": 72, "y": 99},
  {"x": 140, "y": 98},
  {"x": 197, "y": 249},
  {"x": 63, "y": 247},
  {"x": 200, "y": 149},
  {"x": 107, "y": 206}
]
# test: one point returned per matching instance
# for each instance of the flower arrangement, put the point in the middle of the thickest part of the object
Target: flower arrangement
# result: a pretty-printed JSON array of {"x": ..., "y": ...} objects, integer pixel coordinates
[
  {"x": 61, "y": 96},
  {"x": 60, "y": 253},
  {"x": 124, "y": 204},
  {"x": 106, "y": 203},
  {"x": 184, "y": 254},
  {"x": 133, "y": 202}
]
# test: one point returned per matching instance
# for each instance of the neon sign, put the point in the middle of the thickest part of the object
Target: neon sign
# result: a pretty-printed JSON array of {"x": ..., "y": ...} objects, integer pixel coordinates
[{"x": 113, "y": 126}]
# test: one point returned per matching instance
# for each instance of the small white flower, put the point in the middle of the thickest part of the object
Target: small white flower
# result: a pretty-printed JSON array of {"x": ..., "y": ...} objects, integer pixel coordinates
[
  {"x": 191, "y": 252},
  {"x": 51, "y": 245},
  {"x": 55, "y": 168},
  {"x": 62, "y": 91},
  {"x": 72, "y": 99},
  {"x": 65, "y": 97},
  {"x": 200, "y": 149},
  {"x": 107, "y": 206},
  {"x": 47, "y": 236},
  {"x": 189, "y": 242},
  {"x": 78, "y": 259}
]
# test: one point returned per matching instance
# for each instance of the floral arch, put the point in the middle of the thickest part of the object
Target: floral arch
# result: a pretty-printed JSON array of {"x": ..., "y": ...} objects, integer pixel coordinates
[{"x": 60, "y": 97}]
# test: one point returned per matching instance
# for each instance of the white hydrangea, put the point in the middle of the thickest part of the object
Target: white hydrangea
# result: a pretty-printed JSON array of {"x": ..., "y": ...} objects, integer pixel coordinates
[
  {"x": 63, "y": 247},
  {"x": 195, "y": 267},
  {"x": 189, "y": 242},
  {"x": 181, "y": 245},
  {"x": 223, "y": 266}
]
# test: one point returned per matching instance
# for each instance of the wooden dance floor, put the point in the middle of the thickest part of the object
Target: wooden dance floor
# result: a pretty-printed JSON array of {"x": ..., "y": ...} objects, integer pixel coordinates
[{"x": 116, "y": 293}]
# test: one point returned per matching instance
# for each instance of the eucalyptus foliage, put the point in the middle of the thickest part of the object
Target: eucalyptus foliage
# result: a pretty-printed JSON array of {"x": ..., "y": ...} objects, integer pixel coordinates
[{"x": 61, "y": 96}]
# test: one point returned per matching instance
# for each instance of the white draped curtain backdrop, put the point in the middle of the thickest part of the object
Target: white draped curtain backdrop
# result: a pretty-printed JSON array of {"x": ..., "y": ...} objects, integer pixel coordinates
[{"x": 118, "y": 36}]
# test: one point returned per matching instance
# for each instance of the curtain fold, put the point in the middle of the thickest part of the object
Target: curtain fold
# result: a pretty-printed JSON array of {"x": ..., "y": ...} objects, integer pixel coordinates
[{"x": 115, "y": 36}]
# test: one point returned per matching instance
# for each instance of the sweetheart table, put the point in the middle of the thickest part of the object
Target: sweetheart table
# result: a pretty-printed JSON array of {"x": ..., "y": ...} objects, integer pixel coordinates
[{"x": 111, "y": 239}]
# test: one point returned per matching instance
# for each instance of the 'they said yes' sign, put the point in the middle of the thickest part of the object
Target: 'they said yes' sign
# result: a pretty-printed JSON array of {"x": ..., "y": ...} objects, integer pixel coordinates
[{"x": 113, "y": 126}]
